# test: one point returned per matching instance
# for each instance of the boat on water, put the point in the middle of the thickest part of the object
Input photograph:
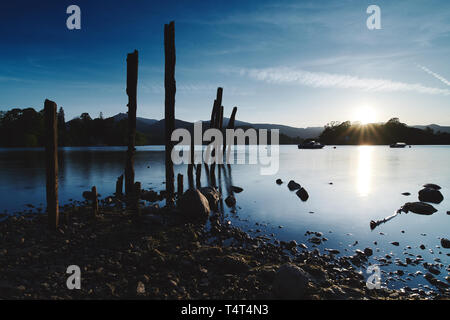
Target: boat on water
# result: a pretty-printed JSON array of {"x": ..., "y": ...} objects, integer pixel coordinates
[
  {"x": 311, "y": 145},
  {"x": 398, "y": 145}
]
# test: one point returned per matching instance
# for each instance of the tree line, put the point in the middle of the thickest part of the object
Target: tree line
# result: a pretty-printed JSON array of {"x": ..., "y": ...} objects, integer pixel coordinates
[
  {"x": 25, "y": 128},
  {"x": 380, "y": 133}
]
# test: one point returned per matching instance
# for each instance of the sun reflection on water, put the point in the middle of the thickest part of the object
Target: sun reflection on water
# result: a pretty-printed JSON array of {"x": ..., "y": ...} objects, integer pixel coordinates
[{"x": 364, "y": 170}]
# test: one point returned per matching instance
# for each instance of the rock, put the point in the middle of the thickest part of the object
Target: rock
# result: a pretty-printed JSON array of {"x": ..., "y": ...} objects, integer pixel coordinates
[
  {"x": 212, "y": 195},
  {"x": 395, "y": 243},
  {"x": 236, "y": 189},
  {"x": 368, "y": 252},
  {"x": 445, "y": 243},
  {"x": 418, "y": 207},
  {"x": 422, "y": 247},
  {"x": 292, "y": 185},
  {"x": 315, "y": 240},
  {"x": 150, "y": 195},
  {"x": 279, "y": 181},
  {"x": 140, "y": 288},
  {"x": 302, "y": 194},
  {"x": 88, "y": 195},
  {"x": 194, "y": 205},
  {"x": 234, "y": 264},
  {"x": 290, "y": 282},
  {"x": 406, "y": 193},
  {"x": 430, "y": 195},
  {"x": 230, "y": 201},
  {"x": 432, "y": 186},
  {"x": 292, "y": 244}
]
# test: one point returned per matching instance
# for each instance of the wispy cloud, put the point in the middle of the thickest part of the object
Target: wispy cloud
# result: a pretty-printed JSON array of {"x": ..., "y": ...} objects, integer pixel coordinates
[
  {"x": 283, "y": 75},
  {"x": 434, "y": 74}
]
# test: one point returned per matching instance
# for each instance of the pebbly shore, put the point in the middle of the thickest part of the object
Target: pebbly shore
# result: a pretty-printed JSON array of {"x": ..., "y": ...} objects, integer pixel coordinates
[{"x": 158, "y": 254}]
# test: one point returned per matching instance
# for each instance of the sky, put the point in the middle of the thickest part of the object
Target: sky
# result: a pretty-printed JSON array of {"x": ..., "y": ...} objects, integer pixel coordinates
[{"x": 298, "y": 63}]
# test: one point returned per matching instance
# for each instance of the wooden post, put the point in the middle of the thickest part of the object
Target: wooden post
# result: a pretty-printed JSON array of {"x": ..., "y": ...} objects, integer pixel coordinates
[
  {"x": 170, "y": 90},
  {"x": 132, "y": 76},
  {"x": 212, "y": 172},
  {"x": 180, "y": 184},
  {"x": 94, "y": 201},
  {"x": 198, "y": 175},
  {"x": 137, "y": 197},
  {"x": 51, "y": 160},
  {"x": 119, "y": 186},
  {"x": 229, "y": 126},
  {"x": 190, "y": 173},
  {"x": 232, "y": 119}
]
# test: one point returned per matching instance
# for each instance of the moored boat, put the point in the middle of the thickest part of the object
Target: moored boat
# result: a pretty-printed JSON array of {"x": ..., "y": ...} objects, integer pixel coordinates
[
  {"x": 311, "y": 145},
  {"x": 398, "y": 145}
]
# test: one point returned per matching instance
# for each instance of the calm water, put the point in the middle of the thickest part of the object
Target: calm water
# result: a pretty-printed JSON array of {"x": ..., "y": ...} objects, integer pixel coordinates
[{"x": 367, "y": 185}]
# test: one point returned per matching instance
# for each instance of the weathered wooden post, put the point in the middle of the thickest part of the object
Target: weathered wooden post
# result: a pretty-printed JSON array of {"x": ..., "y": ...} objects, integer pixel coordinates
[
  {"x": 137, "y": 197},
  {"x": 132, "y": 76},
  {"x": 190, "y": 174},
  {"x": 198, "y": 175},
  {"x": 229, "y": 126},
  {"x": 170, "y": 89},
  {"x": 180, "y": 184},
  {"x": 94, "y": 201},
  {"x": 119, "y": 186},
  {"x": 51, "y": 160}
]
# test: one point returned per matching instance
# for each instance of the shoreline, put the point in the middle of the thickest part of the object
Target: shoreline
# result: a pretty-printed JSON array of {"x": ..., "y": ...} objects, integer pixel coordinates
[{"x": 160, "y": 255}]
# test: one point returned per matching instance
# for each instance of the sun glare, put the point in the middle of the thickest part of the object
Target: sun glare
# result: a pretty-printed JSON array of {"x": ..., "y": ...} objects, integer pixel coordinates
[{"x": 365, "y": 115}]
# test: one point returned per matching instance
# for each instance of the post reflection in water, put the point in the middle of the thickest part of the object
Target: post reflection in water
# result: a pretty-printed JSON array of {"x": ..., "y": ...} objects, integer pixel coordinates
[{"x": 364, "y": 174}]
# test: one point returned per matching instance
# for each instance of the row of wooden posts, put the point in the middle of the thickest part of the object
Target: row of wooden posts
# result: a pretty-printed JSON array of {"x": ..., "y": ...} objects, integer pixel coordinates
[{"x": 132, "y": 188}]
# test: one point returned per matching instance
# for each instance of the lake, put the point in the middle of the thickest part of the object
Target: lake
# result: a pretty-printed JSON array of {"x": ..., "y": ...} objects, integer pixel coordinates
[{"x": 348, "y": 186}]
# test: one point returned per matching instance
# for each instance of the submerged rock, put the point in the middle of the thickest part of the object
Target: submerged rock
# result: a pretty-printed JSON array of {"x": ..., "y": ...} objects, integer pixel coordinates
[
  {"x": 418, "y": 207},
  {"x": 194, "y": 204},
  {"x": 290, "y": 282},
  {"x": 302, "y": 194},
  {"x": 445, "y": 243},
  {"x": 430, "y": 195},
  {"x": 432, "y": 186},
  {"x": 292, "y": 185},
  {"x": 230, "y": 201},
  {"x": 236, "y": 189}
]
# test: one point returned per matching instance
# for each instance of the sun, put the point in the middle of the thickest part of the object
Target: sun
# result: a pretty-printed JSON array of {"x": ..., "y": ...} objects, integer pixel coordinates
[{"x": 365, "y": 115}]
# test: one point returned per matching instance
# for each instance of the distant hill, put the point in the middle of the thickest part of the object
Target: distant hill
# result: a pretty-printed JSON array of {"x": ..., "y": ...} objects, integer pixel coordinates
[
  {"x": 436, "y": 128},
  {"x": 141, "y": 123},
  {"x": 156, "y": 127}
]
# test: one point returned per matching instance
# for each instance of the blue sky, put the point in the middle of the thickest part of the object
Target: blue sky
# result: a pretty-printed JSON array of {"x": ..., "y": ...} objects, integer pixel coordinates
[{"x": 300, "y": 63}]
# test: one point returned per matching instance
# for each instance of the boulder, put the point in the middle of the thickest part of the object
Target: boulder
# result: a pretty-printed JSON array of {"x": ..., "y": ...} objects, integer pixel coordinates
[
  {"x": 292, "y": 185},
  {"x": 212, "y": 195},
  {"x": 194, "y": 205},
  {"x": 230, "y": 201},
  {"x": 279, "y": 181},
  {"x": 432, "y": 186},
  {"x": 445, "y": 243},
  {"x": 150, "y": 195},
  {"x": 236, "y": 189},
  {"x": 302, "y": 194},
  {"x": 291, "y": 282},
  {"x": 430, "y": 195},
  {"x": 418, "y": 207}
]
